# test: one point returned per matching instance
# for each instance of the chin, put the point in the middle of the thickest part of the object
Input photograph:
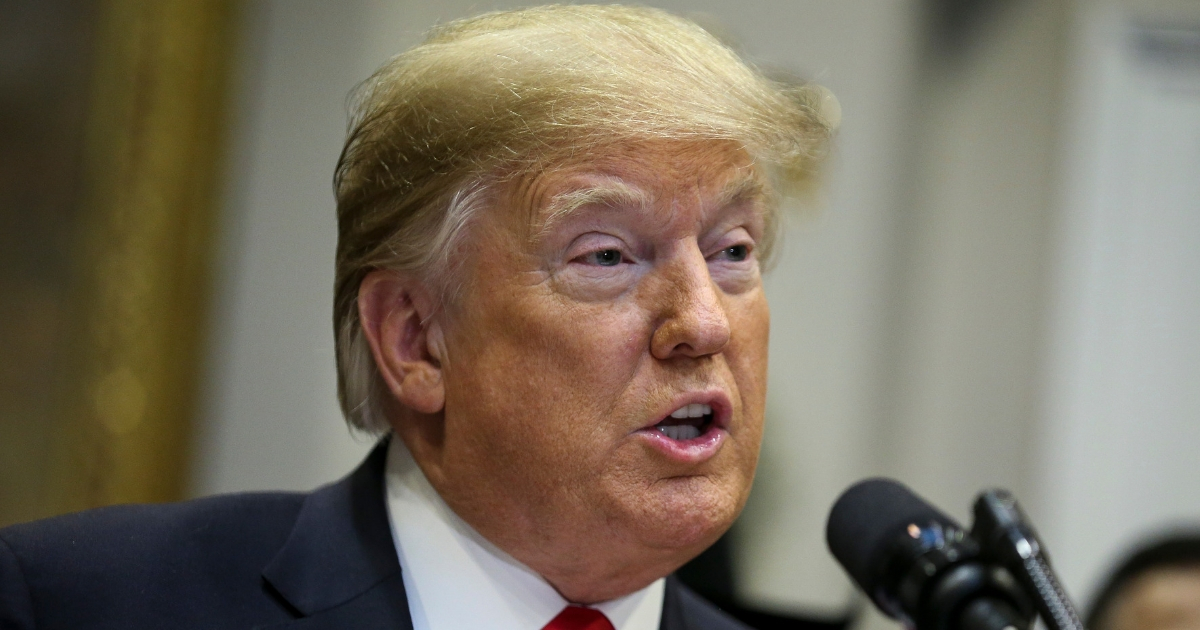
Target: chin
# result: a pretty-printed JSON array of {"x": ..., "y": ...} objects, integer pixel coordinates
[{"x": 687, "y": 514}]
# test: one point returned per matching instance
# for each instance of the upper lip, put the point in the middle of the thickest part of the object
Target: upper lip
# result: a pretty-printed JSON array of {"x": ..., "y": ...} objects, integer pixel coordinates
[{"x": 718, "y": 400}]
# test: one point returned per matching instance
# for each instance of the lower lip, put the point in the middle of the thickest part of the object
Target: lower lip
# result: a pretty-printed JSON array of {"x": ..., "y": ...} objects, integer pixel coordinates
[{"x": 693, "y": 451}]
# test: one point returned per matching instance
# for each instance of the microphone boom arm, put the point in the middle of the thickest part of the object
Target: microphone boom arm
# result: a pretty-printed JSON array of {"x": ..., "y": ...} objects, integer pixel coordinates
[{"x": 1005, "y": 535}]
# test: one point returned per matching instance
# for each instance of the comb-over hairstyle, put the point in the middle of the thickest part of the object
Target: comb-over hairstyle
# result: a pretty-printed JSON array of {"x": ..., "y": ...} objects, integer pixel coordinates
[{"x": 508, "y": 93}]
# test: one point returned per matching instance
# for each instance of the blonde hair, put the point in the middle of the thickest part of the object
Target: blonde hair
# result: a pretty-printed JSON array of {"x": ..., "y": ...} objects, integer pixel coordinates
[{"x": 514, "y": 91}]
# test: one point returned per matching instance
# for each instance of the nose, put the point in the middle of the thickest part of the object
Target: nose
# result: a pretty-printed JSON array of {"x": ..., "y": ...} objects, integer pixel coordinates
[{"x": 692, "y": 319}]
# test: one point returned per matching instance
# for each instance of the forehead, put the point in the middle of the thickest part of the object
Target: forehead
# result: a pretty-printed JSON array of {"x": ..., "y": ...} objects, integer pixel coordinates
[
  {"x": 652, "y": 173},
  {"x": 1160, "y": 598}
]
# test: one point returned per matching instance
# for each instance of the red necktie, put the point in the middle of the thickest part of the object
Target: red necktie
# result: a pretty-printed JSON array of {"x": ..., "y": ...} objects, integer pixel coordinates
[{"x": 579, "y": 618}]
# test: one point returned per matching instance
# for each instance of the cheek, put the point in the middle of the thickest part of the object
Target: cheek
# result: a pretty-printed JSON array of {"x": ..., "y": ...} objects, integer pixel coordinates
[
  {"x": 531, "y": 407},
  {"x": 747, "y": 359},
  {"x": 750, "y": 329},
  {"x": 546, "y": 378}
]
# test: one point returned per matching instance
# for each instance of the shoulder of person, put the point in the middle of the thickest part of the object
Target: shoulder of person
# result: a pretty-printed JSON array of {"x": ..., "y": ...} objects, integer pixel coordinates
[
  {"x": 123, "y": 532},
  {"x": 130, "y": 555}
]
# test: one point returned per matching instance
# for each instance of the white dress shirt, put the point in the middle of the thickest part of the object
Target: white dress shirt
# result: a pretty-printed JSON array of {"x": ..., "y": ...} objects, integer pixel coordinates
[{"x": 456, "y": 579}]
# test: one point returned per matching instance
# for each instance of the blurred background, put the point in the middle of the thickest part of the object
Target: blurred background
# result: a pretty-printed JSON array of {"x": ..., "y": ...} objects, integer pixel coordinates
[{"x": 1000, "y": 285}]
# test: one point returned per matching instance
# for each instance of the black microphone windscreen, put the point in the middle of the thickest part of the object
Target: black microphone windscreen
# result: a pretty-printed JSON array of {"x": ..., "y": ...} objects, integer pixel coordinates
[{"x": 864, "y": 521}]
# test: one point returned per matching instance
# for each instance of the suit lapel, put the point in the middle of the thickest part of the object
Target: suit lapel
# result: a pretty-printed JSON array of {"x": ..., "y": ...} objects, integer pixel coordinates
[
  {"x": 673, "y": 617},
  {"x": 338, "y": 567}
]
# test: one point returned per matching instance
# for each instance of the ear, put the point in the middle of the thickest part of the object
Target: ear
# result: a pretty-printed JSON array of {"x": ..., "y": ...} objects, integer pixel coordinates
[{"x": 396, "y": 311}]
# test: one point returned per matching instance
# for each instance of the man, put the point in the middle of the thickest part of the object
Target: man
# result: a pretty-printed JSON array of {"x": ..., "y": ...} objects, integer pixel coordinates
[
  {"x": 548, "y": 299},
  {"x": 1155, "y": 588}
]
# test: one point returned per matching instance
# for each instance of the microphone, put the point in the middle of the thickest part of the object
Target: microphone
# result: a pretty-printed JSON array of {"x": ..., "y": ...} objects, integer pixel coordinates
[{"x": 918, "y": 565}]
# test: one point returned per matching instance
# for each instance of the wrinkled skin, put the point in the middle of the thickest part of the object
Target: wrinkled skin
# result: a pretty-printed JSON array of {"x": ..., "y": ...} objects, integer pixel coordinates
[{"x": 527, "y": 401}]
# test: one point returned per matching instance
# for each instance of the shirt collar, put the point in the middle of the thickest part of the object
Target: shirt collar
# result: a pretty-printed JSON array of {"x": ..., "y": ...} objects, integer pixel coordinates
[{"x": 455, "y": 578}]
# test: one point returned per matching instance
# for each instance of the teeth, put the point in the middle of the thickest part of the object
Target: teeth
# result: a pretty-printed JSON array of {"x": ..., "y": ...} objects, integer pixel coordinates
[
  {"x": 680, "y": 432},
  {"x": 694, "y": 410}
]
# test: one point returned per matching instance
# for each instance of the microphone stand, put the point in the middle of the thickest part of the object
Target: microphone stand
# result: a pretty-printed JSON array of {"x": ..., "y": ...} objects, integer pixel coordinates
[{"x": 1006, "y": 537}]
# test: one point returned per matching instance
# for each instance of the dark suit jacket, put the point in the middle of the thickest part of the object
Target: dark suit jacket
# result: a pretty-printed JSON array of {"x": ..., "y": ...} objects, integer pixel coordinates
[{"x": 262, "y": 560}]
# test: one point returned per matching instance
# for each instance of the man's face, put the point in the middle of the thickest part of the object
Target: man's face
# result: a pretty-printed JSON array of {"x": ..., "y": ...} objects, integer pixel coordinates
[
  {"x": 1166, "y": 598},
  {"x": 606, "y": 364}
]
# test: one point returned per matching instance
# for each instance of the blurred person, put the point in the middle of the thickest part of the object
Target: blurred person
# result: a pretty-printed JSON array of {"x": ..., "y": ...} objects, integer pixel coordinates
[
  {"x": 1155, "y": 588},
  {"x": 548, "y": 304}
]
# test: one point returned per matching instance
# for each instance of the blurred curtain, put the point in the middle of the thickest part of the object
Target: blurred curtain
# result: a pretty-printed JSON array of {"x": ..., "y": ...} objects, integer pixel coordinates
[{"x": 113, "y": 116}]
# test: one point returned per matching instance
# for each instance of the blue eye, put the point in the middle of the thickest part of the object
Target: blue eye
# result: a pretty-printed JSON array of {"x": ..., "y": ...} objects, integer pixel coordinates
[
  {"x": 605, "y": 257},
  {"x": 736, "y": 253}
]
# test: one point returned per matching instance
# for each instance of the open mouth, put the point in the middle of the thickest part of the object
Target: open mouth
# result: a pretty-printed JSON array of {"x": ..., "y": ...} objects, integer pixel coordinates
[{"x": 687, "y": 423}]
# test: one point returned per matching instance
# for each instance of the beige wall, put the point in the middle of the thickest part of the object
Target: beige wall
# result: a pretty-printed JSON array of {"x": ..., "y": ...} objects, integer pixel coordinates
[
  {"x": 1120, "y": 413},
  {"x": 271, "y": 418},
  {"x": 971, "y": 269}
]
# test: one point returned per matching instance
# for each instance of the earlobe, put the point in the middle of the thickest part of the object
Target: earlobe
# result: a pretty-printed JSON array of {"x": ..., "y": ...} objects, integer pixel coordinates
[{"x": 396, "y": 312}]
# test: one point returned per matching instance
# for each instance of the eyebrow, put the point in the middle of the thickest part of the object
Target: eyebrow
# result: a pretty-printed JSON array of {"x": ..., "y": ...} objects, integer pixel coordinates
[
  {"x": 614, "y": 193},
  {"x": 610, "y": 192},
  {"x": 744, "y": 188}
]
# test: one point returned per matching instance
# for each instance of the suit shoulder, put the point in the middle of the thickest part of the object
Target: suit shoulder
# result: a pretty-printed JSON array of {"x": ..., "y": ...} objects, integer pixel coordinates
[
  {"x": 224, "y": 533},
  {"x": 247, "y": 515},
  {"x": 131, "y": 562},
  {"x": 694, "y": 611}
]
